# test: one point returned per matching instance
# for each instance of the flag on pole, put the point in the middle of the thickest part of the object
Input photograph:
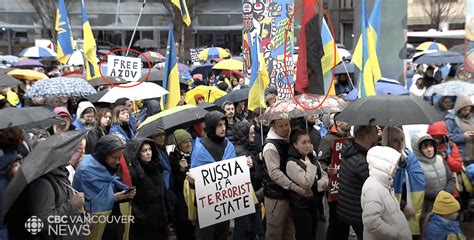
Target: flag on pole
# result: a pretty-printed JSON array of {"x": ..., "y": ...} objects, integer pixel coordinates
[
  {"x": 181, "y": 5},
  {"x": 171, "y": 74},
  {"x": 309, "y": 75},
  {"x": 63, "y": 29},
  {"x": 329, "y": 60},
  {"x": 259, "y": 78},
  {"x": 92, "y": 69},
  {"x": 365, "y": 54}
]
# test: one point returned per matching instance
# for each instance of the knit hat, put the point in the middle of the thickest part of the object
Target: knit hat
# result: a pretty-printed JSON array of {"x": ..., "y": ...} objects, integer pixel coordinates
[
  {"x": 181, "y": 135},
  {"x": 445, "y": 204},
  {"x": 62, "y": 111},
  {"x": 198, "y": 96}
]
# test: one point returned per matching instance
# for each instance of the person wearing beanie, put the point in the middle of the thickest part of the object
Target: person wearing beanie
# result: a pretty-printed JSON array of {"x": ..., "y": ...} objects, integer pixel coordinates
[
  {"x": 381, "y": 214},
  {"x": 180, "y": 160},
  {"x": 96, "y": 176},
  {"x": 460, "y": 125},
  {"x": 213, "y": 147},
  {"x": 64, "y": 114},
  {"x": 198, "y": 98},
  {"x": 438, "y": 177},
  {"x": 442, "y": 223}
]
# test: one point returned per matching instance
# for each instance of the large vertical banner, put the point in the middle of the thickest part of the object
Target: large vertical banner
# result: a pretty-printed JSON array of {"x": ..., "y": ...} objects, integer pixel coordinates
[
  {"x": 333, "y": 188},
  {"x": 269, "y": 19},
  {"x": 469, "y": 57}
]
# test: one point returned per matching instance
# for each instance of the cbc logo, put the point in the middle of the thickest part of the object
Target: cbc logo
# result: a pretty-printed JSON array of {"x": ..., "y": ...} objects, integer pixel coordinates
[{"x": 34, "y": 225}]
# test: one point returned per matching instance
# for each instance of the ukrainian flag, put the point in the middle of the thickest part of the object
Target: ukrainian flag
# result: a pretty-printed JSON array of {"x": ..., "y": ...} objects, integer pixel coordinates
[
  {"x": 63, "y": 28},
  {"x": 92, "y": 69},
  {"x": 171, "y": 80},
  {"x": 365, "y": 54},
  {"x": 181, "y": 5},
  {"x": 259, "y": 79},
  {"x": 329, "y": 60},
  {"x": 413, "y": 177}
]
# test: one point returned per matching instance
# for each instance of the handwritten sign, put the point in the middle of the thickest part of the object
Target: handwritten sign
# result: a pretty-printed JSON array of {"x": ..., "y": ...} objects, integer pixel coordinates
[
  {"x": 223, "y": 191},
  {"x": 128, "y": 68},
  {"x": 335, "y": 163}
]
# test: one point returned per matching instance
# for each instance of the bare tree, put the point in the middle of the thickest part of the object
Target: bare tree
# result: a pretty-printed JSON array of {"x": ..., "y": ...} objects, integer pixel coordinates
[
  {"x": 438, "y": 11},
  {"x": 178, "y": 24},
  {"x": 46, "y": 15}
]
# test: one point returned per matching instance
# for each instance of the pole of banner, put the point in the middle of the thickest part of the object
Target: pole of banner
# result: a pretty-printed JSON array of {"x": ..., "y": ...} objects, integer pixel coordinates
[
  {"x": 117, "y": 12},
  {"x": 347, "y": 72},
  {"x": 136, "y": 26}
]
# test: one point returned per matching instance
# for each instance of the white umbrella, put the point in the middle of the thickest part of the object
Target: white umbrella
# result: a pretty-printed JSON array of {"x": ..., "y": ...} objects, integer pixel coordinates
[
  {"x": 77, "y": 59},
  {"x": 144, "y": 90}
]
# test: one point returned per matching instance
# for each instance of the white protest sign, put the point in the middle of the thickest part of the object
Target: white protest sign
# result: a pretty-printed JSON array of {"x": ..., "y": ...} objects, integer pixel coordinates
[
  {"x": 223, "y": 191},
  {"x": 128, "y": 68}
]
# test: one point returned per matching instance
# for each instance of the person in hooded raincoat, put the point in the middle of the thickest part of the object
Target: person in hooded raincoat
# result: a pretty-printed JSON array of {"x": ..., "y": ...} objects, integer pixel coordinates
[
  {"x": 85, "y": 116},
  {"x": 97, "y": 177},
  {"x": 381, "y": 212},
  {"x": 460, "y": 125},
  {"x": 150, "y": 207},
  {"x": 212, "y": 148}
]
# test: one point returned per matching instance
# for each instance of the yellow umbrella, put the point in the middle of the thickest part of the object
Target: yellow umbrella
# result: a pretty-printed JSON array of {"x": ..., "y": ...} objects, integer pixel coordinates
[
  {"x": 432, "y": 46},
  {"x": 229, "y": 64},
  {"x": 27, "y": 74},
  {"x": 209, "y": 93}
]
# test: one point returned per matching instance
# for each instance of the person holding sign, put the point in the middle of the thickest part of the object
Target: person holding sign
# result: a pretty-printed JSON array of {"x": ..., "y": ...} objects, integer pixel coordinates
[
  {"x": 303, "y": 169},
  {"x": 213, "y": 147}
]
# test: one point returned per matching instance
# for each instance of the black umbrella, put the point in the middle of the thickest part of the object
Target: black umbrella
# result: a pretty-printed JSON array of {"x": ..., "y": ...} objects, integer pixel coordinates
[
  {"x": 440, "y": 58},
  {"x": 205, "y": 70},
  {"x": 7, "y": 81},
  {"x": 49, "y": 154},
  {"x": 94, "y": 98},
  {"x": 5, "y": 70},
  {"x": 158, "y": 77},
  {"x": 209, "y": 107},
  {"x": 145, "y": 43},
  {"x": 28, "y": 117},
  {"x": 234, "y": 96},
  {"x": 99, "y": 81},
  {"x": 390, "y": 110},
  {"x": 172, "y": 119}
]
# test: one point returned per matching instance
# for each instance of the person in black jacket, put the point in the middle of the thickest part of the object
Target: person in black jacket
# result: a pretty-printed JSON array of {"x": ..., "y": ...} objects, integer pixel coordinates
[
  {"x": 103, "y": 120},
  {"x": 149, "y": 207},
  {"x": 180, "y": 160},
  {"x": 249, "y": 226},
  {"x": 303, "y": 169},
  {"x": 353, "y": 172}
]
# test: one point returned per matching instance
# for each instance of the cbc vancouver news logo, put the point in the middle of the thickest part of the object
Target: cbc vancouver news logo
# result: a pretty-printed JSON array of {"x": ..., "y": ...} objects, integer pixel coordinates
[{"x": 34, "y": 225}]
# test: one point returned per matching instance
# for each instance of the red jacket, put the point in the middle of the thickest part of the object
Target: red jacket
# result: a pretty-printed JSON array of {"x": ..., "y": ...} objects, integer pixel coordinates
[{"x": 454, "y": 159}]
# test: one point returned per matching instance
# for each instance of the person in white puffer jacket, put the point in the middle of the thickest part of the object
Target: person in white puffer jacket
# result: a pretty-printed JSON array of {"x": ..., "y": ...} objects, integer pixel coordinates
[{"x": 381, "y": 212}]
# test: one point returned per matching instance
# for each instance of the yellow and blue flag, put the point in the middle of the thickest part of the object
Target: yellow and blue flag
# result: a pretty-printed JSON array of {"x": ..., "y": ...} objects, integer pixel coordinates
[
  {"x": 171, "y": 78},
  {"x": 92, "y": 69},
  {"x": 181, "y": 5},
  {"x": 63, "y": 28},
  {"x": 329, "y": 60},
  {"x": 259, "y": 78},
  {"x": 365, "y": 54}
]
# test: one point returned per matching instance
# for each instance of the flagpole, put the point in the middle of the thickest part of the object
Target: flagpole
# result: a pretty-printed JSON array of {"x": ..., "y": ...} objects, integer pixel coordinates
[
  {"x": 347, "y": 72},
  {"x": 136, "y": 26}
]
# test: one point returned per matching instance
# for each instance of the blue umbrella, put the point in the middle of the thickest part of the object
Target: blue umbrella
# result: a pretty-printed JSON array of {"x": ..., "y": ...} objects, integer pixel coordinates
[
  {"x": 440, "y": 58},
  {"x": 383, "y": 86},
  {"x": 204, "y": 69},
  {"x": 61, "y": 87},
  {"x": 28, "y": 63},
  {"x": 340, "y": 68}
]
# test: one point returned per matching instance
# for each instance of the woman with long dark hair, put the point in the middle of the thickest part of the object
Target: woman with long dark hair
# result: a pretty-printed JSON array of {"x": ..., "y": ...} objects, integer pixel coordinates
[{"x": 102, "y": 127}]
